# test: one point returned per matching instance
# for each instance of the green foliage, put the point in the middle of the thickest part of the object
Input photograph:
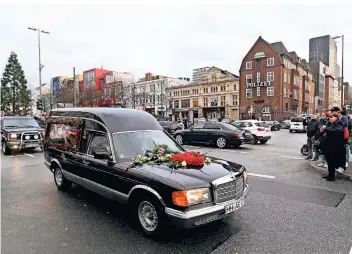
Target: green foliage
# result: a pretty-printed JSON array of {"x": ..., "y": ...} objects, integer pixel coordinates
[{"x": 15, "y": 95}]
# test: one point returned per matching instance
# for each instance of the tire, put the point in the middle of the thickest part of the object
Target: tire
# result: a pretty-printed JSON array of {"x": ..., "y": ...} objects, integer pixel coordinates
[
  {"x": 5, "y": 149},
  {"x": 291, "y": 131},
  {"x": 255, "y": 140},
  {"x": 150, "y": 215},
  {"x": 61, "y": 182},
  {"x": 179, "y": 139},
  {"x": 263, "y": 141},
  {"x": 221, "y": 142},
  {"x": 236, "y": 146},
  {"x": 304, "y": 150}
]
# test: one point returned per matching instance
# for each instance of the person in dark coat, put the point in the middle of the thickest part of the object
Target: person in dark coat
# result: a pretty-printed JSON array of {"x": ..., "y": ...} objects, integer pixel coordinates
[
  {"x": 334, "y": 146},
  {"x": 185, "y": 122},
  {"x": 312, "y": 131}
]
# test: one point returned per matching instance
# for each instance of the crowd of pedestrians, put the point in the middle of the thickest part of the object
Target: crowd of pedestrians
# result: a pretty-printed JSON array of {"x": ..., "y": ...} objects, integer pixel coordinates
[{"x": 330, "y": 137}]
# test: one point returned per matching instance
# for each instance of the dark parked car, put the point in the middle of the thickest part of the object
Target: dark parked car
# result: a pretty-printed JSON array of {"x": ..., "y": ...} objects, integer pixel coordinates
[
  {"x": 220, "y": 134},
  {"x": 20, "y": 133},
  {"x": 274, "y": 125},
  {"x": 284, "y": 125},
  {"x": 101, "y": 149},
  {"x": 170, "y": 126}
]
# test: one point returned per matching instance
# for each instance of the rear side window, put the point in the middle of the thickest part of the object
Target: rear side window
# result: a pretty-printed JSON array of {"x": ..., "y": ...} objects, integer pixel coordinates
[
  {"x": 246, "y": 124},
  {"x": 212, "y": 126},
  {"x": 296, "y": 120},
  {"x": 63, "y": 134},
  {"x": 261, "y": 124}
]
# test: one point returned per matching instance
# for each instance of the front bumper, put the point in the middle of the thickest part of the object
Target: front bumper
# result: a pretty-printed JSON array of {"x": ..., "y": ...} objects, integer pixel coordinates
[
  {"x": 19, "y": 145},
  {"x": 194, "y": 218}
]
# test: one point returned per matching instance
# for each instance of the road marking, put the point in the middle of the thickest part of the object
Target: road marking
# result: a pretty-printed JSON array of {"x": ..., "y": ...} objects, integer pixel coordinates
[
  {"x": 294, "y": 158},
  {"x": 30, "y": 155},
  {"x": 351, "y": 251},
  {"x": 263, "y": 176}
]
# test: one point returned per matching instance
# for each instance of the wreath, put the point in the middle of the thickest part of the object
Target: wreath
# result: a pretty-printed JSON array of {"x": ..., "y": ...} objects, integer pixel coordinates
[
  {"x": 73, "y": 138},
  {"x": 161, "y": 154}
]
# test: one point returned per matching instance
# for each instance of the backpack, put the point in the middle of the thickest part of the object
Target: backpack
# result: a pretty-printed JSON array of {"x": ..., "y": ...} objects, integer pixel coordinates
[{"x": 346, "y": 133}]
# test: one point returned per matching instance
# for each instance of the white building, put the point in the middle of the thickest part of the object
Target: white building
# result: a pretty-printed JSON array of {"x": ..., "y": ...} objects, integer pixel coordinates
[
  {"x": 150, "y": 93},
  {"x": 197, "y": 73}
]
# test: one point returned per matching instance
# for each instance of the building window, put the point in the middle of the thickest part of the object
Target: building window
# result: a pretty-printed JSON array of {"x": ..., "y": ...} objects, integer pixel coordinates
[
  {"x": 288, "y": 93},
  {"x": 235, "y": 87},
  {"x": 258, "y": 76},
  {"x": 185, "y": 103},
  {"x": 249, "y": 65},
  {"x": 270, "y": 76},
  {"x": 213, "y": 78},
  {"x": 223, "y": 88},
  {"x": 249, "y": 79},
  {"x": 177, "y": 103},
  {"x": 270, "y": 62},
  {"x": 286, "y": 106},
  {"x": 258, "y": 91},
  {"x": 270, "y": 91},
  {"x": 249, "y": 93},
  {"x": 222, "y": 100},
  {"x": 195, "y": 103},
  {"x": 285, "y": 92},
  {"x": 234, "y": 100},
  {"x": 295, "y": 80},
  {"x": 205, "y": 102},
  {"x": 285, "y": 77}
]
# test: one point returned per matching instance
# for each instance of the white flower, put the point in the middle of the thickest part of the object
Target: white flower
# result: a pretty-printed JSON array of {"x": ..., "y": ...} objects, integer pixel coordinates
[
  {"x": 183, "y": 164},
  {"x": 207, "y": 160}
]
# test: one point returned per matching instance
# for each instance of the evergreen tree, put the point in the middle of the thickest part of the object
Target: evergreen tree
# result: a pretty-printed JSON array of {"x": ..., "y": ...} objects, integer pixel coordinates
[{"x": 15, "y": 94}]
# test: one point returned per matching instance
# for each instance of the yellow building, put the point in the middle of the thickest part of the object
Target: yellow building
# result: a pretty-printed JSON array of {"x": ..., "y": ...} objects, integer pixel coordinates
[{"x": 216, "y": 95}]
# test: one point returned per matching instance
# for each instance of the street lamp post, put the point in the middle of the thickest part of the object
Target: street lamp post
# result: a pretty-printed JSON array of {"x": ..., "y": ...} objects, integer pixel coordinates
[
  {"x": 40, "y": 63},
  {"x": 343, "y": 46}
]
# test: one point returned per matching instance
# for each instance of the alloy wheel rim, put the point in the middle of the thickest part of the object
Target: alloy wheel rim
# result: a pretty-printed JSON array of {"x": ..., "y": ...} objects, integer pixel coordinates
[
  {"x": 148, "y": 216},
  {"x": 58, "y": 177},
  {"x": 221, "y": 142},
  {"x": 179, "y": 139}
]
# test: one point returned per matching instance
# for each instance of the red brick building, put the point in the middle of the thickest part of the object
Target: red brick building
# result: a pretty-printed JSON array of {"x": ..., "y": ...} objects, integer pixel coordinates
[{"x": 274, "y": 83}]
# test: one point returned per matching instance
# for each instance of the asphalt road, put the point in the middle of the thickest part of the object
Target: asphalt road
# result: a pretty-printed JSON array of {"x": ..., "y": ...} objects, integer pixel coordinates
[{"x": 291, "y": 209}]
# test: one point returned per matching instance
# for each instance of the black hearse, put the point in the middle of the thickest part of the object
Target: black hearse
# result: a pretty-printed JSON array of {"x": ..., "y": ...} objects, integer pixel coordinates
[
  {"x": 20, "y": 133},
  {"x": 97, "y": 148}
]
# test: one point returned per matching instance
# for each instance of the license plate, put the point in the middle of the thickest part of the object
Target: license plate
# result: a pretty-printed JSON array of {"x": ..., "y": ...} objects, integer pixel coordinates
[
  {"x": 29, "y": 146},
  {"x": 234, "y": 206}
]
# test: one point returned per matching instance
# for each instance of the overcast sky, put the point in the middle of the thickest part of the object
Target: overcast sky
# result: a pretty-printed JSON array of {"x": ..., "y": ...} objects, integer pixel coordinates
[{"x": 162, "y": 39}]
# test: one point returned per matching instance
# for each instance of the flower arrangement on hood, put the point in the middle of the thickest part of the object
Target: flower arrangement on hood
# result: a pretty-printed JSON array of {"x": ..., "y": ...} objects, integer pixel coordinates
[{"x": 161, "y": 154}]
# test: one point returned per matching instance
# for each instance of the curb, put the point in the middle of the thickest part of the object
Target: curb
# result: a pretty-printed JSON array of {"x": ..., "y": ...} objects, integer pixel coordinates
[{"x": 345, "y": 176}]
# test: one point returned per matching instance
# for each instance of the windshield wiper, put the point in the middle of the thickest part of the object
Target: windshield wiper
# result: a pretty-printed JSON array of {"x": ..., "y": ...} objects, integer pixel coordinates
[
  {"x": 12, "y": 126},
  {"x": 30, "y": 126}
]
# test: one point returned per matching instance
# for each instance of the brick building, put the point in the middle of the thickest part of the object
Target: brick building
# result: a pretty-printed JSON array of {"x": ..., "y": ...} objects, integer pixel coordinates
[{"x": 275, "y": 83}]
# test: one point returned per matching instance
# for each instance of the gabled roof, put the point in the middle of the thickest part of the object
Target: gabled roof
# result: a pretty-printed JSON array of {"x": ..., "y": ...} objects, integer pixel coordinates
[
  {"x": 279, "y": 47},
  {"x": 225, "y": 72}
]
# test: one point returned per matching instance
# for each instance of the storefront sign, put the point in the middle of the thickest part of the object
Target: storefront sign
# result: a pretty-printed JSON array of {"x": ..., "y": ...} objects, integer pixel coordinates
[{"x": 260, "y": 84}]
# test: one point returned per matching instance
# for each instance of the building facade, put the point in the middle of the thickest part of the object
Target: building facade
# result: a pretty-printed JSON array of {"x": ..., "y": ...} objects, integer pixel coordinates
[
  {"x": 215, "y": 95},
  {"x": 319, "y": 70},
  {"x": 90, "y": 88},
  {"x": 324, "y": 49},
  {"x": 198, "y": 73},
  {"x": 332, "y": 96},
  {"x": 150, "y": 93},
  {"x": 275, "y": 83}
]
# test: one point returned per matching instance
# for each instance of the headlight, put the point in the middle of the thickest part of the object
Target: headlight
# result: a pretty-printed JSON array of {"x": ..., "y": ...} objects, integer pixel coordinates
[
  {"x": 245, "y": 176},
  {"x": 191, "y": 197},
  {"x": 12, "y": 136}
]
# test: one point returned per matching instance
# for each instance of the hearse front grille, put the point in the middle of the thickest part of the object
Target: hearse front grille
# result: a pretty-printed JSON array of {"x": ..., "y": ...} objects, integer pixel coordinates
[
  {"x": 31, "y": 139},
  {"x": 229, "y": 190}
]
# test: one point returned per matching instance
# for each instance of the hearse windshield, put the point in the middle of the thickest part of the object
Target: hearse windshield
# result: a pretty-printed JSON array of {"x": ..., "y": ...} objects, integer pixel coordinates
[
  {"x": 132, "y": 144},
  {"x": 20, "y": 122}
]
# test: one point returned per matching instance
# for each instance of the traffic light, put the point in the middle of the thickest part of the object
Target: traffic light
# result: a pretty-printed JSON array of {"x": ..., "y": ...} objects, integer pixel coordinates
[{"x": 40, "y": 104}]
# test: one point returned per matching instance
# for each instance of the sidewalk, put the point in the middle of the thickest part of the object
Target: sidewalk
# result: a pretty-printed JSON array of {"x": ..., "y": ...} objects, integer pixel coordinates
[{"x": 345, "y": 175}]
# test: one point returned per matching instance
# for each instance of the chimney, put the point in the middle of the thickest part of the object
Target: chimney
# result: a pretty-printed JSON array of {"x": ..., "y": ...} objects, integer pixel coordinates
[{"x": 148, "y": 76}]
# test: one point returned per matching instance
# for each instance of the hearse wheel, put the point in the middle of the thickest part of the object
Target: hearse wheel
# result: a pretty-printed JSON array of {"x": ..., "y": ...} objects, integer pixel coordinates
[
  {"x": 5, "y": 149},
  {"x": 179, "y": 139},
  {"x": 150, "y": 215},
  {"x": 221, "y": 142},
  {"x": 263, "y": 141},
  {"x": 61, "y": 182}
]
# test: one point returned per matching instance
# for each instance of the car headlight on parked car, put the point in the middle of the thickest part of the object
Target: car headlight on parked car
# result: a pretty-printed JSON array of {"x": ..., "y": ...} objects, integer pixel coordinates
[
  {"x": 191, "y": 197},
  {"x": 12, "y": 136}
]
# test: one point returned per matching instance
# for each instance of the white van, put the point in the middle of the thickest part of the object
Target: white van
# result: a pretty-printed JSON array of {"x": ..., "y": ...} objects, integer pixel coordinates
[{"x": 296, "y": 124}]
